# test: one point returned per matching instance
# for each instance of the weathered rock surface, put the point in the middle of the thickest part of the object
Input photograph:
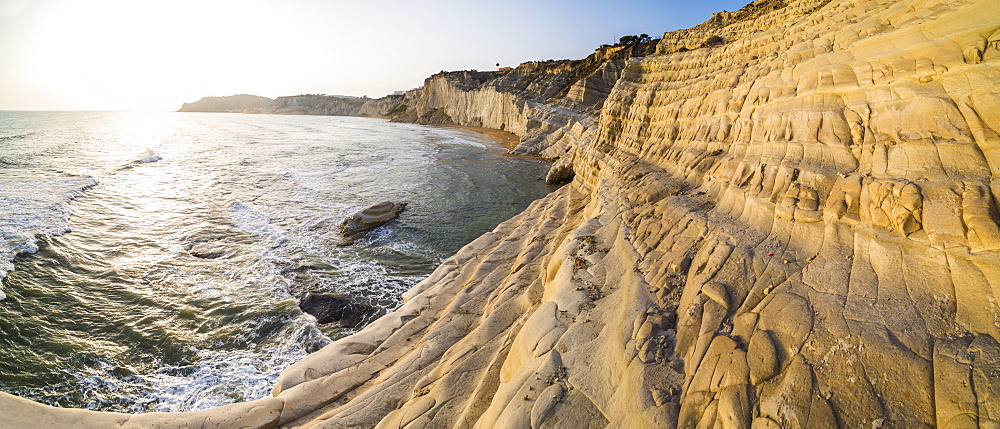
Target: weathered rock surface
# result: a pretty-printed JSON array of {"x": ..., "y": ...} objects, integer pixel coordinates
[
  {"x": 551, "y": 105},
  {"x": 370, "y": 218},
  {"x": 786, "y": 217}
]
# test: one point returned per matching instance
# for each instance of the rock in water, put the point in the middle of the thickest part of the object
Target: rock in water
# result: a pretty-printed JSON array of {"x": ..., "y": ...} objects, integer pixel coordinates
[
  {"x": 368, "y": 219},
  {"x": 333, "y": 308},
  {"x": 207, "y": 250}
]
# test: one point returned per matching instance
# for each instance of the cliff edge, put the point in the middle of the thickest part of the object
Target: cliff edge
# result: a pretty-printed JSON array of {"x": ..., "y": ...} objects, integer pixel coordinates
[{"x": 784, "y": 217}]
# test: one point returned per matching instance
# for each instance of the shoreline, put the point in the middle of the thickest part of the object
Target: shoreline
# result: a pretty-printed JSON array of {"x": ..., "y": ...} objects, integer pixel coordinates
[
  {"x": 504, "y": 139},
  {"x": 507, "y": 140}
]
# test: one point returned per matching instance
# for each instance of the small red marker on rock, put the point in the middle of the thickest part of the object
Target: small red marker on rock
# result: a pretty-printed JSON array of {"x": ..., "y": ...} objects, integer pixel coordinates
[{"x": 770, "y": 254}]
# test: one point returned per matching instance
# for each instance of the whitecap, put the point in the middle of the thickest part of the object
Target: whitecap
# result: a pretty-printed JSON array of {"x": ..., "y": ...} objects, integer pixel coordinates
[
  {"x": 253, "y": 221},
  {"x": 221, "y": 377},
  {"x": 461, "y": 137},
  {"x": 408, "y": 248},
  {"x": 15, "y": 137},
  {"x": 380, "y": 234},
  {"x": 464, "y": 142},
  {"x": 29, "y": 209},
  {"x": 148, "y": 156}
]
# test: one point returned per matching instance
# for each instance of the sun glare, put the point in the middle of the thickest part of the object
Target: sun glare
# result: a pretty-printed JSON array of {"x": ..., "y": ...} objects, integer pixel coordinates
[{"x": 147, "y": 55}]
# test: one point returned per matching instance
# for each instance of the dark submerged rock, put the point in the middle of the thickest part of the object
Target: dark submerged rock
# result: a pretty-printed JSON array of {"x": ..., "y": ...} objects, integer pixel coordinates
[
  {"x": 334, "y": 308},
  {"x": 303, "y": 277}
]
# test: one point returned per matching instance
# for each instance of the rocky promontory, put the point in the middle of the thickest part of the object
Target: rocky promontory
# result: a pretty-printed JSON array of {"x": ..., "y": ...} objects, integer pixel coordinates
[
  {"x": 783, "y": 217},
  {"x": 306, "y": 104},
  {"x": 240, "y": 103}
]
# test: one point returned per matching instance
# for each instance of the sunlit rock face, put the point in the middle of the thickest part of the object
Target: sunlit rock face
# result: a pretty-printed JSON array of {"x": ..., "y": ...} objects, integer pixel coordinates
[
  {"x": 840, "y": 173},
  {"x": 551, "y": 104},
  {"x": 785, "y": 217}
]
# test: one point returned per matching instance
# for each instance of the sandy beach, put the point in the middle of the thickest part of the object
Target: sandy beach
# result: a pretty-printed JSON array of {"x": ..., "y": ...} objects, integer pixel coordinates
[{"x": 503, "y": 138}]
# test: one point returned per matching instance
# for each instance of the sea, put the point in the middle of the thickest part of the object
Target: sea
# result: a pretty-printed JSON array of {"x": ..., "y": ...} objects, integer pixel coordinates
[{"x": 106, "y": 308}]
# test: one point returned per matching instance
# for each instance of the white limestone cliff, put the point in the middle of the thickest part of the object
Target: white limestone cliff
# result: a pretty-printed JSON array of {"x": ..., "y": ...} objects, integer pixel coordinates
[{"x": 786, "y": 217}]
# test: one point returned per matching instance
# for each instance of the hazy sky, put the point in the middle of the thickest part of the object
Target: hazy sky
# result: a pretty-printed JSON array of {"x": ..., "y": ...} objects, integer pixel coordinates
[{"x": 155, "y": 55}]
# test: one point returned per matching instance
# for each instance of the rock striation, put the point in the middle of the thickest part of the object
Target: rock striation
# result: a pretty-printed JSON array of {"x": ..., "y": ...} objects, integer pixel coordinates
[
  {"x": 783, "y": 217},
  {"x": 368, "y": 219}
]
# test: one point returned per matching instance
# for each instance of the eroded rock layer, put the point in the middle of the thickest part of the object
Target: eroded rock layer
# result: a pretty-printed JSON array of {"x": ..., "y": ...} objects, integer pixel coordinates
[{"x": 786, "y": 217}]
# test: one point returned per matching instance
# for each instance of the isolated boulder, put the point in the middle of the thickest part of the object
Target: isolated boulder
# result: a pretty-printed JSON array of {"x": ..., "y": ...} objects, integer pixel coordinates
[
  {"x": 208, "y": 250},
  {"x": 370, "y": 218},
  {"x": 334, "y": 308}
]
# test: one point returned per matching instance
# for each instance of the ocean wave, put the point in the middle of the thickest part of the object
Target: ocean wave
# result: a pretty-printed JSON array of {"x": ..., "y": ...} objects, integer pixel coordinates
[
  {"x": 413, "y": 249},
  {"x": 461, "y": 137},
  {"x": 29, "y": 209},
  {"x": 319, "y": 179},
  {"x": 213, "y": 378},
  {"x": 221, "y": 377},
  {"x": 15, "y": 137},
  {"x": 148, "y": 156},
  {"x": 374, "y": 286},
  {"x": 463, "y": 141},
  {"x": 234, "y": 322},
  {"x": 255, "y": 222},
  {"x": 7, "y": 162}
]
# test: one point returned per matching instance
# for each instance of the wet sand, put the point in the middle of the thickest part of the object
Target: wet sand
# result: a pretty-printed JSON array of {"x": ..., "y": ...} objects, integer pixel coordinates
[{"x": 503, "y": 138}]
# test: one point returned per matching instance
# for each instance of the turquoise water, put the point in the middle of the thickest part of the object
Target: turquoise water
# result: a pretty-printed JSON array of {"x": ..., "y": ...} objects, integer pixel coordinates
[{"x": 106, "y": 309}]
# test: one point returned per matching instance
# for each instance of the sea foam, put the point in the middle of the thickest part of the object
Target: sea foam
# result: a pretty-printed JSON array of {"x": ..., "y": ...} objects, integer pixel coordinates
[
  {"x": 32, "y": 208},
  {"x": 257, "y": 223},
  {"x": 461, "y": 137},
  {"x": 148, "y": 156}
]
